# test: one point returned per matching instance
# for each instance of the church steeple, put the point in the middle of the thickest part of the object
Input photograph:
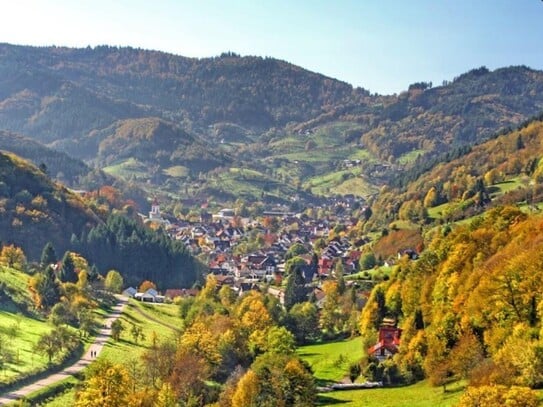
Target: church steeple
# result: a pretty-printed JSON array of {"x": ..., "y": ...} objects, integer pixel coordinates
[{"x": 155, "y": 210}]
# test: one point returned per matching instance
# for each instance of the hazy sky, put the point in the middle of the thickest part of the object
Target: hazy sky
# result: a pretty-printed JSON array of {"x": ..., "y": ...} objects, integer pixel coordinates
[{"x": 382, "y": 45}]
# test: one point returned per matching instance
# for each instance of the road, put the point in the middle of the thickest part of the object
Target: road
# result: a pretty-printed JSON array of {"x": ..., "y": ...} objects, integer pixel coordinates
[{"x": 101, "y": 338}]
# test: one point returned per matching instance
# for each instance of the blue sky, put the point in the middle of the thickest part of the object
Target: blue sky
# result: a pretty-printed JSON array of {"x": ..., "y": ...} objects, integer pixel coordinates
[{"x": 382, "y": 45}]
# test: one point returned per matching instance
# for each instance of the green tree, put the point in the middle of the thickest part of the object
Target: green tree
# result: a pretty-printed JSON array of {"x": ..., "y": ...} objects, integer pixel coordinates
[
  {"x": 295, "y": 291},
  {"x": 67, "y": 272},
  {"x": 45, "y": 289},
  {"x": 114, "y": 281},
  {"x": 117, "y": 328},
  {"x": 48, "y": 255},
  {"x": 303, "y": 322},
  {"x": 295, "y": 250},
  {"x": 367, "y": 261}
]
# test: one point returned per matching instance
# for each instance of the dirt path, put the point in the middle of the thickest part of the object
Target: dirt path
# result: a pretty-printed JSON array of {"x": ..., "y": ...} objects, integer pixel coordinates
[{"x": 99, "y": 342}]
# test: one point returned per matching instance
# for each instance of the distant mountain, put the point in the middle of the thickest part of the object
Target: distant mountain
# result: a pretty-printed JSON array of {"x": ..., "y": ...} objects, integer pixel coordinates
[
  {"x": 171, "y": 121},
  {"x": 464, "y": 112}
]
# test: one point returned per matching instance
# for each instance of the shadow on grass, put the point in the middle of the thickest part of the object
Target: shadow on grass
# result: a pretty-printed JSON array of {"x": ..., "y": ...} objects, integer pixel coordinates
[{"x": 323, "y": 400}]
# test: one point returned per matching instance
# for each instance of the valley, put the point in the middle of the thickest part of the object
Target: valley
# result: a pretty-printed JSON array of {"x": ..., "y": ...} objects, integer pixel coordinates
[{"x": 280, "y": 232}]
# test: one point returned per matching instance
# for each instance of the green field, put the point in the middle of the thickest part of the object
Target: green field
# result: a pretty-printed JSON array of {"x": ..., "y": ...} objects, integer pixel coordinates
[
  {"x": 330, "y": 361},
  {"x": 19, "y": 334},
  {"x": 127, "y": 169},
  {"x": 417, "y": 395},
  {"x": 127, "y": 349}
]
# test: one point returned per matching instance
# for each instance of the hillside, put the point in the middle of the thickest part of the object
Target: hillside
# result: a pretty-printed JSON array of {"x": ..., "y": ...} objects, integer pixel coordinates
[
  {"x": 35, "y": 210},
  {"x": 57, "y": 164},
  {"x": 470, "y": 306},
  {"x": 506, "y": 169},
  {"x": 178, "y": 123}
]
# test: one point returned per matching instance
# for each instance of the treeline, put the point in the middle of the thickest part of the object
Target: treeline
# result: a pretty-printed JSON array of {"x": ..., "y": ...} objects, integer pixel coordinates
[{"x": 138, "y": 253}]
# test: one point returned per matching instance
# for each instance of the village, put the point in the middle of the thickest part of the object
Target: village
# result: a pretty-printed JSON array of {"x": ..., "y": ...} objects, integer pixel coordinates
[
  {"x": 283, "y": 235},
  {"x": 216, "y": 237}
]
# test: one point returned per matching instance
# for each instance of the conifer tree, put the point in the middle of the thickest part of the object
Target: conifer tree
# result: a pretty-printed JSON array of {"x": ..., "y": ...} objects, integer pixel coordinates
[
  {"x": 48, "y": 255},
  {"x": 295, "y": 291},
  {"x": 67, "y": 270}
]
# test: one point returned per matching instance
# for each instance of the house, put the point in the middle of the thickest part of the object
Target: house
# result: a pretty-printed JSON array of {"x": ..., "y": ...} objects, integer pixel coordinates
[
  {"x": 389, "y": 340},
  {"x": 130, "y": 292},
  {"x": 151, "y": 295}
]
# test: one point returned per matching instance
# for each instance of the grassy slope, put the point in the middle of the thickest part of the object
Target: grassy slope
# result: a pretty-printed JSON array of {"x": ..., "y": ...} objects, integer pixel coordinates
[
  {"x": 330, "y": 361},
  {"x": 20, "y": 332},
  {"x": 419, "y": 395},
  {"x": 126, "y": 349}
]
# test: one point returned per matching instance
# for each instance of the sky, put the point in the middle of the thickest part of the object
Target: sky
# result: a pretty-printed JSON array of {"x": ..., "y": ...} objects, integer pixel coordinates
[{"x": 380, "y": 45}]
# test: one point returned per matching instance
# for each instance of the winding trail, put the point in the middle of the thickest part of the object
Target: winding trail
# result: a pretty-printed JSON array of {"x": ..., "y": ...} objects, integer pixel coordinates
[{"x": 101, "y": 338}]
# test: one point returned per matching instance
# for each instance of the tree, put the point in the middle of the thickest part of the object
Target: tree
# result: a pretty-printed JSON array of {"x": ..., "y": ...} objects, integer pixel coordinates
[
  {"x": 13, "y": 257},
  {"x": 106, "y": 385},
  {"x": 247, "y": 391},
  {"x": 280, "y": 340},
  {"x": 45, "y": 289},
  {"x": 137, "y": 333},
  {"x": 117, "y": 328},
  {"x": 295, "y": 291},
  {"x": 303, "y": 322},
  {"x": 339, "y": 274},
  {"x": 466, "y": 355},
  {"x": 67, "y": 269},
  {"x": 490, "y": 396},
  {"x": 48, "y": 255},
  {"x": 146, "y": 285},
  {"x": 114, "y": 281},
  {"x": 60, "y": 314},
  {"x": 295, "y": 250},
  {"x": 331, "y": 317},
  {"x": 54, "y": 342},
  {"x": 367, "y": 261}
]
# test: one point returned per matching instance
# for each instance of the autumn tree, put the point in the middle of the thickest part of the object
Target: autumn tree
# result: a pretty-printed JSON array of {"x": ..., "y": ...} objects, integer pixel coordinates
[
  {"x": 331, "y": 317},
  {"x": 13, "y": 257},
  {"x": 106, "y": 384},
  {"x": 146, "y": 285},
  {"x": 114, "y": 281}
]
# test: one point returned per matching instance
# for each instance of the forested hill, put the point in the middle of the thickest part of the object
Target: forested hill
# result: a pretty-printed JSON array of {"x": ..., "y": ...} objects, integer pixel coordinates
[
  {"x": 57, "y": 164},
  {"x": 504, "y": 170},
  {"x": 101, "y": 84},
  {"x": 35, "y": 210},
  {"x": 119, "y": 107}
]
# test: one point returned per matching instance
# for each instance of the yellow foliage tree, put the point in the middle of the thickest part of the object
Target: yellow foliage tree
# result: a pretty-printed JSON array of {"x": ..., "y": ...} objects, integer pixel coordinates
[
  {"x": 12, "y": 256},
  {"x": 109, "y": 385},
  {"x": 247, "y": 391}
]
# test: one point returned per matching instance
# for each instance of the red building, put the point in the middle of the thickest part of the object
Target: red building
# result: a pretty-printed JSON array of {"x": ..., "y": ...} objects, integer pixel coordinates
[{"x": 389, "y": 340}]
